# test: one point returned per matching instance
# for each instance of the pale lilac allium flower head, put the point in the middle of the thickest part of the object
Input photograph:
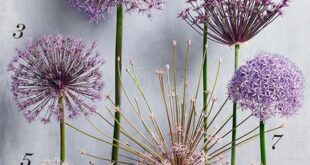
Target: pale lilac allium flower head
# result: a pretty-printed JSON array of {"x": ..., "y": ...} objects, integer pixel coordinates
[
  {"x": 55, "y": 66},
  {"x": 268, "y": 85},
  {"x": 232, "y": 22},
  {"x": 97, "y": 9}
]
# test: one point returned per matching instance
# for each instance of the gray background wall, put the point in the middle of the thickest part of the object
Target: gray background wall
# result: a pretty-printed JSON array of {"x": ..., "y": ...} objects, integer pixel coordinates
[{"x": 148, "y": 43}]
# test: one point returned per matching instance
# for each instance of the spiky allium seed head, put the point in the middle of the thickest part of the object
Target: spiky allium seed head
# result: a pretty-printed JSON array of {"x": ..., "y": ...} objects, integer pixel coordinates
[
  {"x": 181, "y": 152},
  {"x": 172, "y": 138},
  {"x": 55, "y": 66},
  {"x": 231, "y": 22},
  {"x": 97, "y": 9},
  {"x": 268, "y": 85}
]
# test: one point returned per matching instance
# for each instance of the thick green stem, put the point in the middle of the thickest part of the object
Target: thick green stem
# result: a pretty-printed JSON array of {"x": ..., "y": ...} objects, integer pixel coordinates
[
  {"x": 62, "y": 131},
  {"x": 234, "y": 122},
  {"x": 118, "y": 67},
  {"x": 205, "y": 82},
  {"x": 262, "y": 143}
]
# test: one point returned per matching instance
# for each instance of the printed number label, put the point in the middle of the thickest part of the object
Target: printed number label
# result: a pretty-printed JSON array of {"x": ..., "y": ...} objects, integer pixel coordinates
[
  {"x": 20, "y": 29},
  {"x": 276, "y": 136},
  {"x": 26, "y": 160}
]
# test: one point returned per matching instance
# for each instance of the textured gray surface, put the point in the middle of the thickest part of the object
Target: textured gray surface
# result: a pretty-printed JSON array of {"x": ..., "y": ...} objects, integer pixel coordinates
[{"x": 148, "y": 43}]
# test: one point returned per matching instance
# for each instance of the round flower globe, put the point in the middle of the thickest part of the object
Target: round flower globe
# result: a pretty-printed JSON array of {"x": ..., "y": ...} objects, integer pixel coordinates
[
  {"x": 97, "y": 9},
  {"x": 268, "y": 85},
  {"x": 55, "y": 67}
]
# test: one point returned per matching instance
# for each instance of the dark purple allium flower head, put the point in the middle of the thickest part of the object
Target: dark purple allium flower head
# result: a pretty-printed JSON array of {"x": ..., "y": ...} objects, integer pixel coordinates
[
  {"x": 55, "y": 66},
  {"x": 232, "y": 22},
  {"x": 97, "y": 9},
  {"x": 268, "y": 85}
]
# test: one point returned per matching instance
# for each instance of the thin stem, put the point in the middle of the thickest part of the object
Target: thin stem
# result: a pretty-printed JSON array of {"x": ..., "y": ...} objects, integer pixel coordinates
[
  {"x": 162, "y": 87},
  {"x": 123, "y": 147},
  {"x": 62, "y": 130},
  {"x": 138, "y": 112},
  {"x": 131, "y": 136},
  {"x": 205, "y": 81},
  {"x": 175, "y": 83},
  {"x": 245, "y": 135},
  {"x": 234, "y": 122},
  {"x": 118, "y": 64},
  {"x": 156, "y": 126},
  {"x": 244, "y": 141},
  {"x": 184, "y": 88},
  {"x": 262, "y": 143}
]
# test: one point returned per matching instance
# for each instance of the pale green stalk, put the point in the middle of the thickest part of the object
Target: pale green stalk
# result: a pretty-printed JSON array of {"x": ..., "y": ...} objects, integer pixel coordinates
[
  {"x": 118, "y": 67},
  {"x": 262, "y": 143}
]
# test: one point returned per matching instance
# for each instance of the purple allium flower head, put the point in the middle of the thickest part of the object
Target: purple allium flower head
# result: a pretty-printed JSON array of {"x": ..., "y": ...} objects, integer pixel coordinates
[
  {"x": 97, "y": 9},
  {"x": 232, "y": 22},
  {"x": 268, "y": 85},
  {"x": 55, "y": 66}
]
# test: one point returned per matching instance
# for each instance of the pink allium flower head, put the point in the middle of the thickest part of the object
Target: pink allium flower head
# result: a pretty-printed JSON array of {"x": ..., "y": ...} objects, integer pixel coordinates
[
  {"x": 55, "y": 66},
  {"x": 97, "y": 9},
  {"x": 268, "y": 85},
  {"x": 232, "y": 22}
]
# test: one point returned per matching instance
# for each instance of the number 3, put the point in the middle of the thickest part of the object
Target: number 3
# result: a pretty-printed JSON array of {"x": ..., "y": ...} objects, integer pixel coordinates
[
  {"x": 24, "y": 159},
  {"x": 20, "y": 28}
]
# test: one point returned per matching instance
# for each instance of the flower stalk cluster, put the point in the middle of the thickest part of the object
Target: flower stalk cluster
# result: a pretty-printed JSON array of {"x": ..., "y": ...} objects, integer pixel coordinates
[
  {"x": 185, "y": 142},
  {"x": 232, "y": 23}
]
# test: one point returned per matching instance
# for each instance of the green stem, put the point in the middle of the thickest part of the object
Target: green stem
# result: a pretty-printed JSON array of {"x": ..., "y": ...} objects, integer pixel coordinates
[
  {"x": 118, "y": 64},
  {"x": 62, "y": 131},
  {"x": 205, "y": 82},
  {"x": 262, "y": 143},
  {"x": 234, "y": 122}
]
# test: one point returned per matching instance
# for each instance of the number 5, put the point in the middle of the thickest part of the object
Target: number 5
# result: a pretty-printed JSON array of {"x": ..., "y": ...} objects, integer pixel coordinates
[{"x": 25, "y": 159}]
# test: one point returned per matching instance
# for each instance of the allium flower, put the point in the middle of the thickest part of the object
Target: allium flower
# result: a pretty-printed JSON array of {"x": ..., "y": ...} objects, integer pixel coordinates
[
  {"x": 183, "y": 138},
  {"x": 55, "y": 66},
  {"x": 97, "y": 9},
  {"x": 232, "y": 22},
  {"x": 268, "y": 85}
]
